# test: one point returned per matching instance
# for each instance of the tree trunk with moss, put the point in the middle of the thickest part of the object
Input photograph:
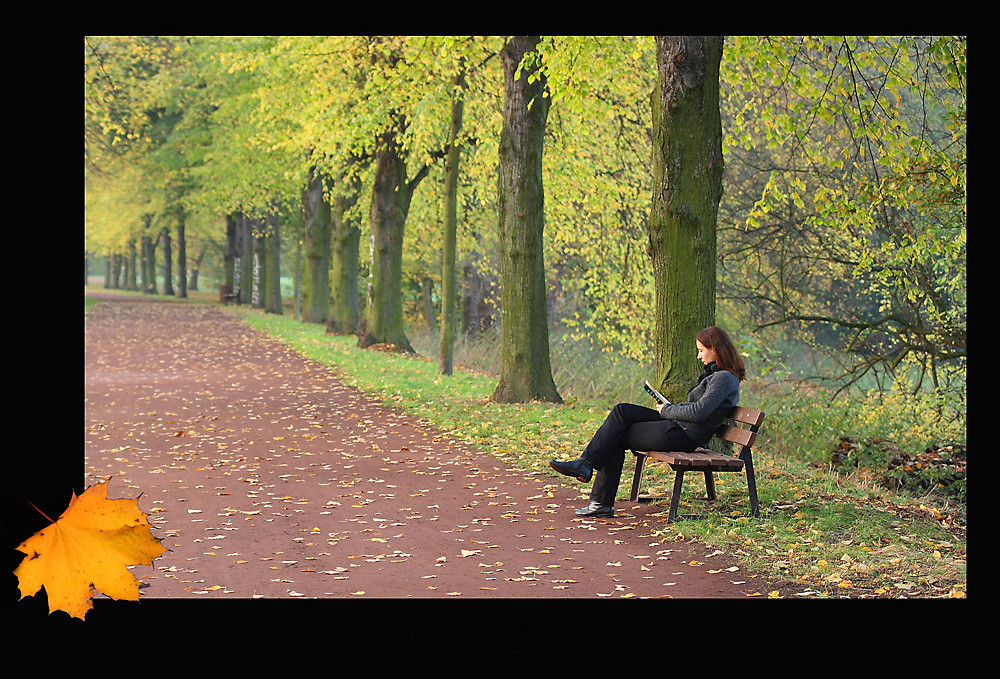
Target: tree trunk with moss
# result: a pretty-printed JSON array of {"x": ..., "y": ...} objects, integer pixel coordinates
[
  {"x": 525, "y": 370},
  {"x": 130, "y": 275},
  {"x": 245, "y": 232},
  {"x": 182, "y": 283},
  {"x": 272, "y": 263},
  {"x": 391, "y": 194},
  {"x": 449, "y": 284},
  {"x": 168, "y": 262},
  {"x": 229, "y": 258},
  {"x": 345, "y": 313},
  {"x": 316, "y": 244},
  {"x": 147, "y": 253},
  {"x": 687, "y": 188},
  {"x": 259, "y": 264}
]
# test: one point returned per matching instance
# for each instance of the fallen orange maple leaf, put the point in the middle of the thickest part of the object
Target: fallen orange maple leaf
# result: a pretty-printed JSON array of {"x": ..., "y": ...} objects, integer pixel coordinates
[{"x": 88, "y": 548}]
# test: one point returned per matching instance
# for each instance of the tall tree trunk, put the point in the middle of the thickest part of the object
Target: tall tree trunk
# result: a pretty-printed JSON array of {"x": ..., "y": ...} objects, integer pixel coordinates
[
  {"x": 246, "y": 259},
  {"x": 144, "y": 268},
  {"x": 168, "y": 262},
  {"x": 229, "y": 258},
  {"x": 449, "y": 284},
  {"x": 151, "y": 288},
  {"x": 130, "y": 277},
  {"x": 525, "y": 370},
  {"x": 317, "y": 243},
  {"x": 272, "y": 262},
  {"x": 147, "y": 253},
  {"x": 196, "y": 268},
  {"x": 687, "y": 187},
  {"x": 391, "y": 195},
  {"x": 181, "y": 254},
  {"x": 259, "y": 270},
  {"x": 297, "y": 280},
  {"x": 345, "y": 309},
  {"x": 116, "y": 271}
]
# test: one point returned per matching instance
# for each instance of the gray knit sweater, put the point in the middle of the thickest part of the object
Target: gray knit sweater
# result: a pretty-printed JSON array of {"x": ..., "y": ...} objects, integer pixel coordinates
[{"x": 709, "y": 403}]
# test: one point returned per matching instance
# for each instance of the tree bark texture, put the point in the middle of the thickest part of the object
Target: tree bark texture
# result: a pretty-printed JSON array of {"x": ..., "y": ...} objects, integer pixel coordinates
[
  {"x": 182, "y": 282},
  {"x": 272, "y": 253},
  {"x": 245, "y": 239},
  {"x": 345, "y": 311},
  {"x": 390, "y": 203},
  {"x": 687, "y": 187},
  {"x": 147, "y": 268},
  {"x": 316, "y": 278},
  {"x": 525, "y": 369},
  {"x": 449, "y": 283},
  {"x": 196, "y": 268},
  {"x": 168, "y": 262},
  {"x": 116, "y": 269},
  {"x": 229, "y": 260},
  {"x": 272, "y": 263},
  {"x": 130, "y": 276},
  {"x": 259, "y": 269}
]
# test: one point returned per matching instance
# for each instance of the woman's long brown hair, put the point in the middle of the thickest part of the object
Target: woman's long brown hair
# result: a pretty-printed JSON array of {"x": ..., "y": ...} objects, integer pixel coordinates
[{"x": 726, "y": 356}]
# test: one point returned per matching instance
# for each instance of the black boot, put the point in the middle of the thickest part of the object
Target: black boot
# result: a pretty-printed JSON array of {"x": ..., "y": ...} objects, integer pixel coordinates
[
  {"x": 579, "y": 468},
  {"x": 596, "y": 510}
]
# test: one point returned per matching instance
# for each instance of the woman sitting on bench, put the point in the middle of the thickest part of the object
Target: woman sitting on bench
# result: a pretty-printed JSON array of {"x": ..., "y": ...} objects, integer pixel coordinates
[{"x": 670, "y": 427}]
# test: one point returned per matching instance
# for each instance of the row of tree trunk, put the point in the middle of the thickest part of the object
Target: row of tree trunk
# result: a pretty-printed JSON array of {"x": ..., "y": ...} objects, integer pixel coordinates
[
  {"x": 687, "y": 165},
  {"x": 252, "y": 261},
  {"x": 135, "y": 269}
]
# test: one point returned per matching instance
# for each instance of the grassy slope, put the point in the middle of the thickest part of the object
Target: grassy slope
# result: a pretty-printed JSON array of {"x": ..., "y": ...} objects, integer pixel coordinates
[{"x": 840, "y": 534}]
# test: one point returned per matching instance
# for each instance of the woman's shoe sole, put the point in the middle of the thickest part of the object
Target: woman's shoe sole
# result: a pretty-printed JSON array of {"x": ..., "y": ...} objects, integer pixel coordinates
[{"x": 565, "y": 473}]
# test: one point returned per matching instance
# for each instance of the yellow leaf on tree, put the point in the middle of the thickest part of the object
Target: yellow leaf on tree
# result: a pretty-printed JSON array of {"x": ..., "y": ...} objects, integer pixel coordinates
[{"x": 88, "y": 548}]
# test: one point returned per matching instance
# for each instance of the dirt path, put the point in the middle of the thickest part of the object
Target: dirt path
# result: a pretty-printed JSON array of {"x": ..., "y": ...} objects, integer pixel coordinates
[{"x": 267, "y": 477}]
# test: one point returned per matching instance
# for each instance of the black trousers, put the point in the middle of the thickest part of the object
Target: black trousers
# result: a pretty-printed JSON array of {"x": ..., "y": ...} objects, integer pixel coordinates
[{"x": 629, "y": 427}]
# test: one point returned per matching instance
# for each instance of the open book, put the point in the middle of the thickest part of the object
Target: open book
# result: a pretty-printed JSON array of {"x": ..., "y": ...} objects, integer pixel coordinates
[{"x": 660, "y": 398}]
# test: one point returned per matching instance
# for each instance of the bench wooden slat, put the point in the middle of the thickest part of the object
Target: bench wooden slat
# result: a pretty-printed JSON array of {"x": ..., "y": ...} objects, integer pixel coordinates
[
  {"x": 748, "y": 416},
  {"x": 696, "y": 459},
  {"x": 739, "y": 435}
]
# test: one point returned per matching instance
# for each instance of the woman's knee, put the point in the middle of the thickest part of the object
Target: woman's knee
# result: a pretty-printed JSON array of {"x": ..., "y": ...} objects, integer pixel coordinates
[
  {"x": 619, "y": 411},
  {"x": 629, "y": 413}
]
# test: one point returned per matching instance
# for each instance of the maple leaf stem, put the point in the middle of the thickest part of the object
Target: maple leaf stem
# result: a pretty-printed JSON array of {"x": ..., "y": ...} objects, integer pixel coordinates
[{"x": 39, "y": 511}]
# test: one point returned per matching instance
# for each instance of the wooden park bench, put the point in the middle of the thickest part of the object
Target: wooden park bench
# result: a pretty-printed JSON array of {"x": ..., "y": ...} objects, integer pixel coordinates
[
  {"x": 708, "y": 461},
  {"x": 226, "y": 294}
]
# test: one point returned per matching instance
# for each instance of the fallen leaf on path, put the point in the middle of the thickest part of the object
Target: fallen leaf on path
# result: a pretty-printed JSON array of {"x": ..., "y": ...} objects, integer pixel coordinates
[{"x": 88, "y": 548}]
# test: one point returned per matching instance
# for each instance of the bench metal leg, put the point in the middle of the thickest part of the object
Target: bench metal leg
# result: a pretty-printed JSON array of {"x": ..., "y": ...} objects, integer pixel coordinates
[
  {"x": 640, "y": 463},
  {"x": 751, "y": 486},
  {"x": 710, "y": 485},
  {"x": 675, "y": 498}
]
